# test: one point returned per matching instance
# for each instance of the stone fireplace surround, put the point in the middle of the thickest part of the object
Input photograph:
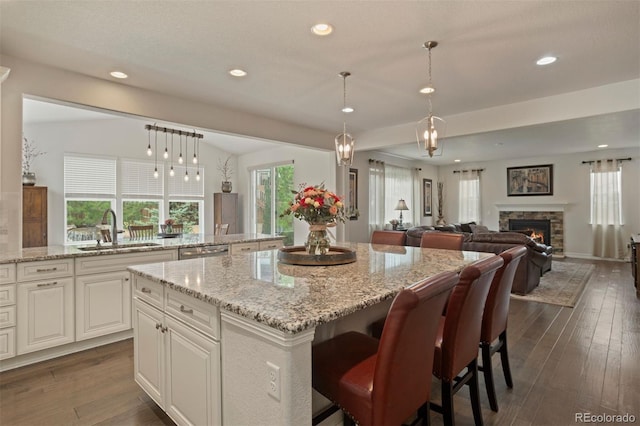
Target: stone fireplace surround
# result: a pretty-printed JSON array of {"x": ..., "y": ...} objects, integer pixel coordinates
[{"x": 555, "y": 215}]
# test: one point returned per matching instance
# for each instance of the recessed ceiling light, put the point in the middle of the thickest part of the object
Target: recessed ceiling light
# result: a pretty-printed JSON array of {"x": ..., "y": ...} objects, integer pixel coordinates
[
  {"x": 238, "y": 72},
  {"x": 604, "y": 145},
  {"x": 118, "y": 74},
  {"x": 322, "y": 29},
  {"x": 546, "y": 60},
  {"x": 456, "y": 161},
  {"x": 347, "y": 109},
  {"x": 427, "y": 89}
]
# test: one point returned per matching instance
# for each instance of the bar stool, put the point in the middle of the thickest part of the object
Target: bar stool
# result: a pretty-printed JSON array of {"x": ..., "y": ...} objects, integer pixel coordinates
[
  {"x": 393, "y": 238},
  {"x": 494, "y": 321},
  {"x": 458, "y": 337},
  {"x": 442, "y": 240},
  {"x": 383, "y": 382}
]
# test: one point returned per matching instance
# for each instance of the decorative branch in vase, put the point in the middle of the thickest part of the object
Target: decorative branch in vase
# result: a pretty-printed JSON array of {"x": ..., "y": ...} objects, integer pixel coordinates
[
  {"x": 29, "y": 154},
  {"x": 225, "y": 170}
]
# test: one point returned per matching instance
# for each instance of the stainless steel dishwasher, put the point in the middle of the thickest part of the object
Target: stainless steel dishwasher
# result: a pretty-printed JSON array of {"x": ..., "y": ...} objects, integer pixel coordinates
[{"x": 203, "y": 251}]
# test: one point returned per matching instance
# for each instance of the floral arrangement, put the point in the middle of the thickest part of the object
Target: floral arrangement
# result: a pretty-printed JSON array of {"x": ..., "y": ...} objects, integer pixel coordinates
[
  {"x": 316, "y": 205},
  {"x": 169, "y": 222},
  {"x": 29, "y": 153}
]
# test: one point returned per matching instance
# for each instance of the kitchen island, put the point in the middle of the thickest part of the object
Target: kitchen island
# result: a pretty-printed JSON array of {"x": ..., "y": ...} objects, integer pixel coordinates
[{"x": 253, "y": 321}]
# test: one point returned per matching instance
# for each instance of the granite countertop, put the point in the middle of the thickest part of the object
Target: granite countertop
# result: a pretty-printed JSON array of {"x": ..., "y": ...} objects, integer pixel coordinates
[
  {"x": 295, "y": 298},
  {"x": 128, "y": 246}
]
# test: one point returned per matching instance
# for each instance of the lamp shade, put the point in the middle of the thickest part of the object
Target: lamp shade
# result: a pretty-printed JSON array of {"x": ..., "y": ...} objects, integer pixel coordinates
[{"x": 401, "y": 205}]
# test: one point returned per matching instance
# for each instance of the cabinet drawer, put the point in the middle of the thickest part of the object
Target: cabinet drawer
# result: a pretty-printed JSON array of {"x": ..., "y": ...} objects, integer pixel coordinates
[
  {"x": 7, "y": 273},
  {"x": 270, "y": 245},
  {"x": 7, "y": 316},
  {"x": 244, "y": 247},
  {"x": 7, "y": 342},
  {"x": 7, "y": 295},
  {"x": 149, "y": 291},
  {"x": 119, "y": 262},
  {"x": 46, "y": 269},
  {"x": 203, "y": 316}
]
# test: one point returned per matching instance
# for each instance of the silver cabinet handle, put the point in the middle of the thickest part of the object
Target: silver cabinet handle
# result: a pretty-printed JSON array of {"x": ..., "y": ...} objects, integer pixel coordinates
[
  {"x": 245, "y": 249},
  {"x": 47, "y": 269},
  {"x": 272, "y": 246},
  {"x": 146, "y": 290},
  {"x": 126, "y": 279},
  {"x": 158, "y": 326},
  {"x": 164, "y": 329},
  {"x": 185, "y": 310},
  {"x": 48, "y": 284}
]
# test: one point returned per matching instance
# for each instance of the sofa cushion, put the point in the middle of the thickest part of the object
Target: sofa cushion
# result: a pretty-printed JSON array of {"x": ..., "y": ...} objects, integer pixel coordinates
[
  {"x": 466, "y": 227},
  {"x": 478, "y": 229}
]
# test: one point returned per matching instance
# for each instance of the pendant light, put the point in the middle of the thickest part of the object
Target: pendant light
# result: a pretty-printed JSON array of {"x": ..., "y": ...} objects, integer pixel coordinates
[
  {"x": 155, "y": 170},
  {"x": 172, "y": 172},
  {"x": 430, "y": 128},
  {"x": 344, "y": 141}
]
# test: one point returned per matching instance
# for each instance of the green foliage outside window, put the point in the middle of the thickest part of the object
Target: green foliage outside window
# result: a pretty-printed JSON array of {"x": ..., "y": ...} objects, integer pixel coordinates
[
  {"x": 140, "y": 213},
  {"x": 284, "y": 184},
  {"x": 185, "y": 212},
  {"x": 84, "y": 214}
]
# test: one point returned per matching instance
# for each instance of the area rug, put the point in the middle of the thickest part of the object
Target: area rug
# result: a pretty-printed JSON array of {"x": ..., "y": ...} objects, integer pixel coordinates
[{"x": 562, "y": 285}]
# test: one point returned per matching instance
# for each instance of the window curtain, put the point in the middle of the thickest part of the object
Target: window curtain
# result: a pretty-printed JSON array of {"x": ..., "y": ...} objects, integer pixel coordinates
[
  {"x": 417, "y": 208},
  {"x": 606, "y": 209},
  {"x": 376, "y": 195},
  {"x": 398, "y": 185},
  {"x": 469, "y": 196}
]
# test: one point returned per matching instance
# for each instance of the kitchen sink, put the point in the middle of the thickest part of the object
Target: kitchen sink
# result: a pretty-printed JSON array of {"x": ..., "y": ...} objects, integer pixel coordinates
[{"x": 118, "y": 247}]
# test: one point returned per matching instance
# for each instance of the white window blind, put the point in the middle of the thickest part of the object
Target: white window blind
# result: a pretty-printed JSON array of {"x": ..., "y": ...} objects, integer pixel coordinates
[
  {"x": 138, "y": 181},
  {"x": 89, "y": 176},
  {"x": 192, "y": 188}
]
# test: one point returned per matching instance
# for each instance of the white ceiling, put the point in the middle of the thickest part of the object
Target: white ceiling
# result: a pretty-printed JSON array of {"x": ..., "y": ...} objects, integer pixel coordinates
[{"x": 485, "y": 58}]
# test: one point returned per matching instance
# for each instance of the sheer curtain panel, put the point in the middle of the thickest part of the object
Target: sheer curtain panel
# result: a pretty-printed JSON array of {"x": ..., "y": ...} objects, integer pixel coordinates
[
  {"x": 469, "y": 196},
  {"x": 376, "y": 195},
  {"x": 606, "y": 209}
]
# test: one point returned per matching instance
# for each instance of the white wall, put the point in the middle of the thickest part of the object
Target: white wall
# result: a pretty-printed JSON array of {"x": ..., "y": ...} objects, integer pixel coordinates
[
  {"x": 570, "y": 187},
  {"x": 310, "y": 166},
  {"x": 118, "y": 137}
]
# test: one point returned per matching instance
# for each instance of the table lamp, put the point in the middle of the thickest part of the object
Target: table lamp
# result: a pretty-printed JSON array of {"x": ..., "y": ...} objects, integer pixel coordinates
[{"x": 401, "y": 206}]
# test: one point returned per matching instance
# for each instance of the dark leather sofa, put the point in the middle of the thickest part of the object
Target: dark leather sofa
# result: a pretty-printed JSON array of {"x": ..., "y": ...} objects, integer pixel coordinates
[{"x": 536, "y": 261}]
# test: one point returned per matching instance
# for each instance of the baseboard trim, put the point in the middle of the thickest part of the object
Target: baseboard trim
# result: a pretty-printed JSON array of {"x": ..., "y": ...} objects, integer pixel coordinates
[
  {"x": 58, "y": 351},
  {"x": 591, "y": 257}
]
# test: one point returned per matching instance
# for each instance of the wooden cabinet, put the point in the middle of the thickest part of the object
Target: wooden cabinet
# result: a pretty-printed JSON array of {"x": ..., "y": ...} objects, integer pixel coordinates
[
  {"x": 177, "y": 353},
  {"x": 34, "y": 216},
  {"x": 635, "y": 261},
  {"x": 225, "y": 210}
]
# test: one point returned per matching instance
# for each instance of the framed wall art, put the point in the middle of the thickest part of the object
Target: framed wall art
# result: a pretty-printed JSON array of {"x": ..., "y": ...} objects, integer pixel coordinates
[
  {"x": 427, "y": 200},
  {"x": 353, "y": 195},
  {"x": 530, "y": 180}
]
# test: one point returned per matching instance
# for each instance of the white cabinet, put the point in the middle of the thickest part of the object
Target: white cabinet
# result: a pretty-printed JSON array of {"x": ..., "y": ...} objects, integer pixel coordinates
[
  {"x": 272, "y": 244},
  {"x": 7, "y": 310},
  {"x": 45, "y": 314},
  {"x": 177, "y": 353},
  {"x": 103, "y": 291},
  {"x": 103, "y": 304},
  {"x": 255, "y": 246}
]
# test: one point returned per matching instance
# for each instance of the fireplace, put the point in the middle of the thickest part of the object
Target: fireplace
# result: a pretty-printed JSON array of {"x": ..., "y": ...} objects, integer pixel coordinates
[{"x": 533, "y": 227}]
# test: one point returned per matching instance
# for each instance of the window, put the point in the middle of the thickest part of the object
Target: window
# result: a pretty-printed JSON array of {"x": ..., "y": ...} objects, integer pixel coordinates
[
  {"x": 398, "y": 183},
  {"x": 271, "y": 188},
  {"x": 90, "y": 189},
  {"x": 142, "y": 194},
  {"x": 186, "y": 199},
  {"x": 469, "y": 196},
  {"x": 187, "y": 213},
  {"x": 606, "y": 196}
]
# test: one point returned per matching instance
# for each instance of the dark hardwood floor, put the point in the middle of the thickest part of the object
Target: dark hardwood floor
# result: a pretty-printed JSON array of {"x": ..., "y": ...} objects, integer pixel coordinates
[{"x": 564, "y": 361}]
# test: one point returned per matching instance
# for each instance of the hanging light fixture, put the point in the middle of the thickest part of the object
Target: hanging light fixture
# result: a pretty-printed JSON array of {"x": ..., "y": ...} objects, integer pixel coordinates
[
  {"x": 428, "y": 128},
  {"x": 155, "y": 170},
  {"x": 344, "y": 141},
  {"x": 172, "y": 172},
  {"x": 149, "y": 152},
  {"x": 168, "y": 151}
]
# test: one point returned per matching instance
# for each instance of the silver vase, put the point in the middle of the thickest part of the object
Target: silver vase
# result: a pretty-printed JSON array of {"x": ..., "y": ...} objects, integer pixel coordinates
[
  {"x": 28, "y": 179},
  {"x": 226, "y": 186}
]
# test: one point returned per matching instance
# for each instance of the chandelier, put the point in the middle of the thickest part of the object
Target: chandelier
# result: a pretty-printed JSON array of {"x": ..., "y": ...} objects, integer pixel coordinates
[
  {"x": 344, "y": 141},
  {"x": 168, "y": 149},
  {"x": 428, "y": 128}
]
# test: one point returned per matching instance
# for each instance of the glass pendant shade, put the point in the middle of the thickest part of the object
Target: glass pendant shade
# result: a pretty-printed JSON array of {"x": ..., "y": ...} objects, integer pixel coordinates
[
  {"x": 427, "y": 132},
  {"x": 344, "y": 149}
]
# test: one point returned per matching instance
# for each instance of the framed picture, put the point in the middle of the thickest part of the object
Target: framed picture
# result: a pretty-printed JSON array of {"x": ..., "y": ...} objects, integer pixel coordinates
[
  {"x": 426, "y": 198},
  {"x": 530, "y": 180},
  {"x": 353, "y": 195}
]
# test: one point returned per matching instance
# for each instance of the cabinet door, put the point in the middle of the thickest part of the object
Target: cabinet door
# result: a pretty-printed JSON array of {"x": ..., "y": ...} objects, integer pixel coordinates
[
  {"x": 148, "y": 350},
  {"x": 192, "y": 376},
  {"x": 225, "y": 210},
  {"x": 34, "y": 216},
  {"x": 103, "y": 304},
  {"x": 45, "y": 314}
]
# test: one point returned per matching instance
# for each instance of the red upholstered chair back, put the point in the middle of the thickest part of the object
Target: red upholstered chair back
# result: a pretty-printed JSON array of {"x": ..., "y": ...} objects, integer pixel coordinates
[
  {"x": 442, "y": 240},
  {"x": 402, "y": 378},
  {"x": 461, "y": 328},
  {"x": 394, "y": 238},
  {"x": 496, "y": 309}
]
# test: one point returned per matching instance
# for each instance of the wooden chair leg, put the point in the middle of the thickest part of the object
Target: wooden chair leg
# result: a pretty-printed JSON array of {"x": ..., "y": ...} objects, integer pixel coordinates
[
  {"x": 447, "y": 403},
  {"x": 504, "y": 357},
  {"x": 487, "y": 369},
  {"x": 474, "y": 393}
]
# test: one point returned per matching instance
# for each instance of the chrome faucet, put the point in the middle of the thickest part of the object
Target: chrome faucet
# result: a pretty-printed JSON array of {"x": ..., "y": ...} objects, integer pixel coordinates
[{"x": 114, "y": 225}]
